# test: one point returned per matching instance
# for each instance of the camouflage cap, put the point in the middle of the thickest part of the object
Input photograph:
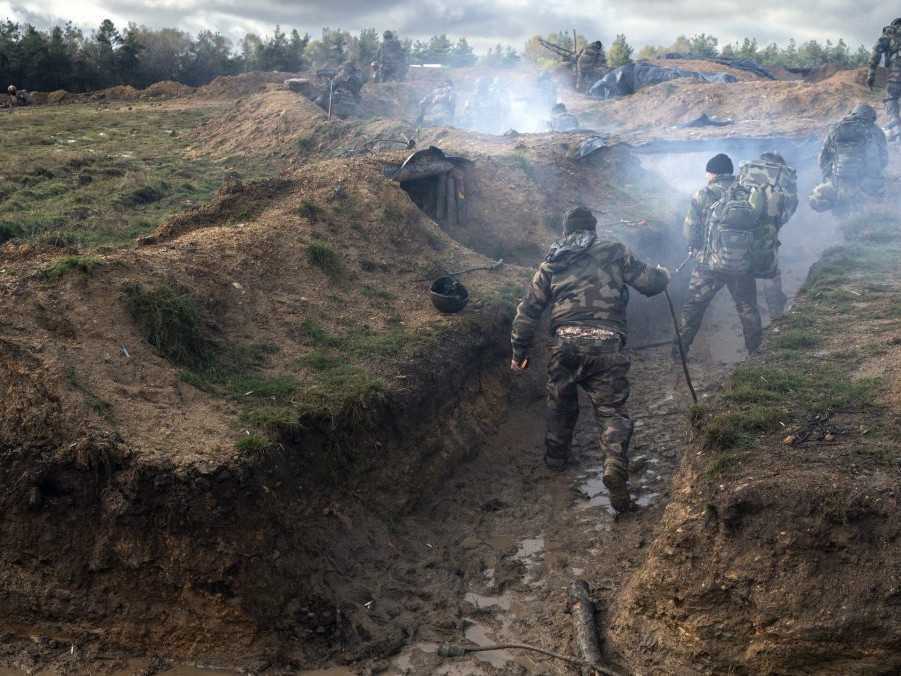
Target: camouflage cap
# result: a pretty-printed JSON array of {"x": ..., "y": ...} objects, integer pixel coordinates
[{"x": 579, "y": 218}]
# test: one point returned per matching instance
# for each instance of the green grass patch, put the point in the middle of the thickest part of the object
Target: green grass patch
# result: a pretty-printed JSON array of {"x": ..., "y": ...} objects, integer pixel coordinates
[
  {"x": 105, "y": 176},
  {"x": 253, "y": 443},
  {"x": 795, "y": 339},
  {"x": 722, "y": 463},
  {"x": 86, "y": 265},
  {"x": 102, "y": 408},
  {"x": 270, "y": 418},
  {"x": 170, "y": 320},
  {"x": 311, "y": 211},
  {"x": 322, "y": 256},
  {"x": 338, "y": 388},
  {"x": 737, "y": 428}
]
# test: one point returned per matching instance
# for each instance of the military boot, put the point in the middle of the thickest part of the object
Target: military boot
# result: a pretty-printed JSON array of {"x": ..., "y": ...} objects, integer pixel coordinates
[{"x": 616, "y": 479}]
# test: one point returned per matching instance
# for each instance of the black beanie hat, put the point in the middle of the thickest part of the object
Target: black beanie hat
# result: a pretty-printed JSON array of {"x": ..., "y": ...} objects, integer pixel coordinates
[
  {"x": 720, "y": 164},
  {"x": 579, "y": 218}
]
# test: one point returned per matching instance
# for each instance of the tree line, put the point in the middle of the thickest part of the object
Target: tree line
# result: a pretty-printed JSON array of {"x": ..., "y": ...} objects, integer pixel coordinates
[
  {"x": 808, "y": 55},
  {"x": 66, "y": 57}
]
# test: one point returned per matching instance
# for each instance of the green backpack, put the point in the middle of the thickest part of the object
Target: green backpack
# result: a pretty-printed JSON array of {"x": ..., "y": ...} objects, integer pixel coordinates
[{"x": 732, "y": 224}]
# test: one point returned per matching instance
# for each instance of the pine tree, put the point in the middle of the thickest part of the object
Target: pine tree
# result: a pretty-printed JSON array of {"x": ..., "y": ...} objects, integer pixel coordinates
[{"x": 620, "y": 52}]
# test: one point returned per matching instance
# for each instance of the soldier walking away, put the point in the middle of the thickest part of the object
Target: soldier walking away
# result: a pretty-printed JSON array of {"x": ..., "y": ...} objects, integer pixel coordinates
[
  {"x": 721, "y": 228},
  {"x": 583, "y": 281},
  {"x": 889, "y": 48},
  {"x": 562, "y": 120},
  {"x": 391, "y": 60},
  {"x": 343, "y": 97},
  {"x": 591, "y": 66},
  {"x": 853, "y": 162},
  {"x": 438, "y": 108},
  {"x": 778, "y": 184}
]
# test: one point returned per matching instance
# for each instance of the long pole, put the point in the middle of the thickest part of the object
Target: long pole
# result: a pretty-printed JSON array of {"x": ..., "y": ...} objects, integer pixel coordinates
[{"x": 672, "y": 311}]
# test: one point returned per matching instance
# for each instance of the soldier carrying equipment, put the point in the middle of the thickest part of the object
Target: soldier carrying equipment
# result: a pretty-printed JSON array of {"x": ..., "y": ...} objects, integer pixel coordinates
[
  {"x": 583, "y": 280},
  {"x": 591, "y": 66},
  {"x": 777, "y": 184},
  {"x": 562, "y": 119},
  {"x": 889, "y": 48},
  {"x": 720, "y": 228},
  {"x": 853, "y": 159}
]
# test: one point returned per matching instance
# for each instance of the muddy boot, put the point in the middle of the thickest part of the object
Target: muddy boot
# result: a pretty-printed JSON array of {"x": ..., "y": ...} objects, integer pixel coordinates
[{"x": 616, "y": 479}]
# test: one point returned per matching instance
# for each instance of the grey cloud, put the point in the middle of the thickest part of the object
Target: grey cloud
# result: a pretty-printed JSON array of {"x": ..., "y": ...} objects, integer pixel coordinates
[{"x": 486, "y": 21}]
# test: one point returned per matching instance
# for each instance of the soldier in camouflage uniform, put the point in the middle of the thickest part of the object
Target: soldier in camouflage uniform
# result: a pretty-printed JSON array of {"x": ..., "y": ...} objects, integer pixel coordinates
[
  {"x": 889, "y": 48},
  {"x": 706, "y": 283},
  {"x": 391, "y": 60},
  {"x": 779, "y": 183},
  {"x": 591, "y": 66},
  {"x": 583, "y": 281},
  {"x": 562, "y": 119},
  {"x": 438, "y": 108},
  {"x": 853, "y": 162}
]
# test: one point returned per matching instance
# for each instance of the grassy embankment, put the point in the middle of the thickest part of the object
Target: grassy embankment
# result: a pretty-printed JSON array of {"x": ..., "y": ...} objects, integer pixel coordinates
[
  {"x": 826, "y": 378},
  {"x": 83, "y": 176}
]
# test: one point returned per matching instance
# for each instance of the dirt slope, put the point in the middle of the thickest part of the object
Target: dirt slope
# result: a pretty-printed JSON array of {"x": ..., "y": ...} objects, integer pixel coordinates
[
  {"x": 758, "y": 109},
  {"x": 780, "y": 550}
]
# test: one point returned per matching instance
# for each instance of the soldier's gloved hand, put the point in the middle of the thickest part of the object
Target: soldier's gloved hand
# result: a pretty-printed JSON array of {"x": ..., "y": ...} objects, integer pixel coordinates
[
  {"x": 666, "y": 273},
  {"x": 871, "y": 80}
]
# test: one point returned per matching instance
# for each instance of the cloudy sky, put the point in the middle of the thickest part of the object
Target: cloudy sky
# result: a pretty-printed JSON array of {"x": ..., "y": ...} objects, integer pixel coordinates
[{"x": 489, "y": 21}]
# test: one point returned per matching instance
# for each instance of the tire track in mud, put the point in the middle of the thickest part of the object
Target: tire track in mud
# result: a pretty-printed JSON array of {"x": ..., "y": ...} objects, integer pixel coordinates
[{"x": 506, "y": 537}]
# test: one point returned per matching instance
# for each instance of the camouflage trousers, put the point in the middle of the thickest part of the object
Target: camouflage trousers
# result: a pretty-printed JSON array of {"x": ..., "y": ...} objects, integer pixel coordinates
[
  {"x": 601, "y": 369},
  {"x": 702, "y": 289},
  {"x": 776, "y": 300}
]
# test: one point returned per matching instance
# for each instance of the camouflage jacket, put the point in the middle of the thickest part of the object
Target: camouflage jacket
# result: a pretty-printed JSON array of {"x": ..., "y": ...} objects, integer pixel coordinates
[
  {"x": 695, "y": 226},
  {"x": 854, "y": 150},
  {"x": 889, "y": 48},
  {"x": 583, "y": 280}
]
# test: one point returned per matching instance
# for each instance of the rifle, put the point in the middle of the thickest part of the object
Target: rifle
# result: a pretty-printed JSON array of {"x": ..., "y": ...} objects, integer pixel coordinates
[{"x": 567, "y": 55}]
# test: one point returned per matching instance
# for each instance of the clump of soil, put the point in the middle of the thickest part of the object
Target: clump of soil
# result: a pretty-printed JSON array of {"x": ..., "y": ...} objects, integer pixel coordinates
[
  {"x": 245, "y": 84},
  {"x": 166, "y": 89}
]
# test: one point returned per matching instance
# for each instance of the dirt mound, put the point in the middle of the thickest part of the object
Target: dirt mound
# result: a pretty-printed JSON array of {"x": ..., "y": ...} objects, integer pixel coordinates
[
  {"x": 703, "y": 66},
  {"x": 166, "y": 89},
  {"x": 767, "y": 107},
  {"x": 118, "y": 93},
  {"x": 236, "y": 86},
  {"x": 271, "y": 121},
  {"x": 57, "y": 96}
]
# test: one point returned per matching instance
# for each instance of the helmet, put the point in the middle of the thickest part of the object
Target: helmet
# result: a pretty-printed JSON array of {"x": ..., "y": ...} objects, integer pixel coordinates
[
  {"x": 579, "y": 218},
  {"x": 388, "y": 35},
  {"x": 597, "y": 44},
  {"x": 558, "y": 108},
  {"x": 11, "y": 89},
  {"x": 896, "y": 23},
  {"x": 864, "y": 112}
]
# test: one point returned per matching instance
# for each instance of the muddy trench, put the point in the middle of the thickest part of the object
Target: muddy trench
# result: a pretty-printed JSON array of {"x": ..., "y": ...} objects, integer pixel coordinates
[
  {"x": 488, "y": 559},
  {"x": 476, "y": 544}
]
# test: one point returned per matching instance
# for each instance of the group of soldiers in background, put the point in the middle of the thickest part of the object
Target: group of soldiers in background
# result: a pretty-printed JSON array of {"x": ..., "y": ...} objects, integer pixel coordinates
[
  {"x": 888, "y": 48},
  {"x": 16, "y": 97}
]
